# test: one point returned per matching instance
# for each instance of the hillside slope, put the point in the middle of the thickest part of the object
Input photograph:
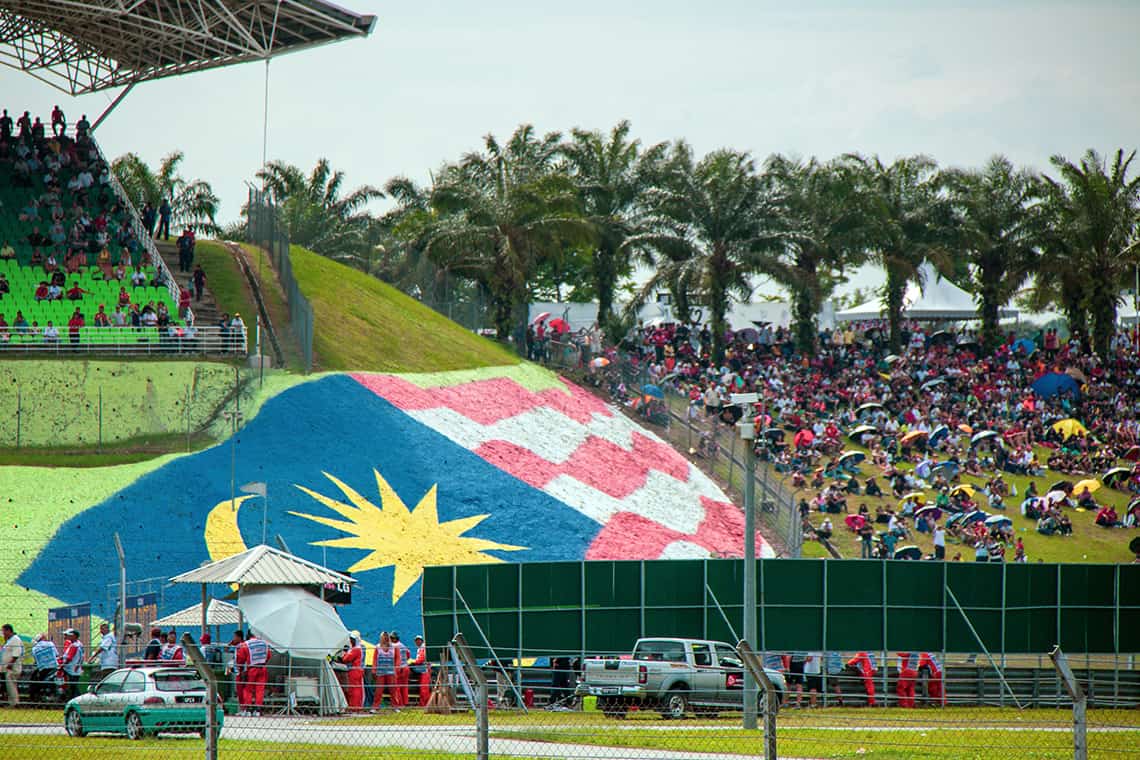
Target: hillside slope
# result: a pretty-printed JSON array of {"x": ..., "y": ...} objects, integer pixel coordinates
[
  {"x": 379, "y": 474},
  {"x": 365, "y": 324}
]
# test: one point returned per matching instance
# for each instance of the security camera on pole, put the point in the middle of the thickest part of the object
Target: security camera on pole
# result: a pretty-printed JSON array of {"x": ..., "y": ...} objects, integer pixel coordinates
[{"x": 748, "y": 434}]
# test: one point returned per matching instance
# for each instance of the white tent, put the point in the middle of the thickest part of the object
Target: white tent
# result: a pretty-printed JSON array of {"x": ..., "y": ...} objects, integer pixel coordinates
[{"x": 938, "y": 298}]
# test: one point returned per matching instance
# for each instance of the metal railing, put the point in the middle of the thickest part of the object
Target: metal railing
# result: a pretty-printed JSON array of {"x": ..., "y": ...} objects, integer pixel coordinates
[{"x": 175, "y": 339}]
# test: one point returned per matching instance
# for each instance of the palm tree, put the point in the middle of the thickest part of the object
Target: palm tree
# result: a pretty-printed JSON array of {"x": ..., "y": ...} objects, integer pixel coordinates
[
  {"x": 316, "y": 213},
  {"x": 815, "y": 234},
  {"x": 612, "y": 175},
  {"x": 193, "y": 202},
  {"x": 999, "y": 229},
  {"x": 708, "y": 230},
  {"x": 497, "y": 213},
  {"x": 1096, "y": 210},
  {"x": 908, "y": 222}
]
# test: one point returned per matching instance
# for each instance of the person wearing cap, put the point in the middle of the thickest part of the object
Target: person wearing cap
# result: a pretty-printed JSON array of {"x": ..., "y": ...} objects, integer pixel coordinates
[
  {"x": 107, "y": 653},
  {"x": 354, "y": 660},
  {"x": 12, "y": 662},
  {"x": 421, "y": 670},
  {"x": 403, "y": 671},
  {"x": 72, "y": 661},
  {"x": 153, "y": 649},
  {"x": 46, "y": 662}
]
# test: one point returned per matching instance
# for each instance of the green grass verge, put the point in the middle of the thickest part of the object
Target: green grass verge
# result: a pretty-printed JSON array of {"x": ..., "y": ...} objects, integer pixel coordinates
[
  {"x": 226, "y": 281},
  {"x": 120, "y": 452},
  {"x": 276, "y": 306},
  {"x": 365, "y": 324},
  {"x": 32, "y": 747}
]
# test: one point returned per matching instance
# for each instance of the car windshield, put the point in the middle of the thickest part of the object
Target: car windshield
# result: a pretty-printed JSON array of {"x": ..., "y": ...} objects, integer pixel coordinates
[
  {"x": 179, "y": 680},
  {"x": 664, "y": 651}
]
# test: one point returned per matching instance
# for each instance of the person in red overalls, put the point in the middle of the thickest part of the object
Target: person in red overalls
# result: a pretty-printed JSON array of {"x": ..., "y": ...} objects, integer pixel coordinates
[
  {"x": 865, "y": 666},
  {"x": 933, "y": 668},
  {"x": 907, "y": 676},
  {"x": 354, "y": 659},
  {"x": 403, "y": 671},
  {"x": 250, "y": 658},
  {"x": 421, "y": 670}
]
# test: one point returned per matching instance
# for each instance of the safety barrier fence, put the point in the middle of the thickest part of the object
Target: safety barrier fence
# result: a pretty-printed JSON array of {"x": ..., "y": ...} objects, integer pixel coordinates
[
  {"x": 265, "y": 230},
  {"x": 175, "y": 339},
  {"x": 470, "y": 704}
]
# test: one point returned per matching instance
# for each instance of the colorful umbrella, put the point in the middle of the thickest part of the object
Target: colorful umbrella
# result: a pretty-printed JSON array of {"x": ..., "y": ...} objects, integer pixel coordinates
[
  {"x": 1133, "y": 454},
  {"x": 868, "y": 407},
  {"x": 559, "y": 325},
  {"x": 976, "y": 516},
  {"x": 982, "y": 436},
  {"x": 930, "y": 513},
  {"x": 1055, "y": 383},
  {"x": 916, "y": 496},
  {"x": 600, "y": 362},
  {"x": 955, "y": 519},
  {"x": 855, "y": 522},
  {"x": 965, "y": 428},
  {"x": 542, "y": 316},
  {"x": 949, "y": 469},
  {"x": 1088, "y": 483},
  {"x": 913, "y": 436},
  {"x": 653, "y": 390},
  {"x": 938, "y": 433},
  {"x": 998, "y": 520},
  {"x": 1062, "y": 485},
  {"x": 891, "y": 359},
  {"x": 965, "y": 488},
  {"x": 1024, "y": 344},
  {"x": 803, "y": 438},
  {"x": 908, "y": 552},
  {"x": 933, "y": 383},
  {"x": 1055, "y": 497},
  {"x": 851, "y": 457},
  {"x": 1070, "y": 427},
  {"x": 862, "y": 430},
  {"x": 1116, "y": 475}
]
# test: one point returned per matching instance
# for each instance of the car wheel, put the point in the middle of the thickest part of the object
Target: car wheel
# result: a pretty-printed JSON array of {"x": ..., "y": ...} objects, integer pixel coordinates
[
  {"x": 676, "y": 704},
  {"x": 73, "y": 722},
  {"x": 134, "y": 727}
]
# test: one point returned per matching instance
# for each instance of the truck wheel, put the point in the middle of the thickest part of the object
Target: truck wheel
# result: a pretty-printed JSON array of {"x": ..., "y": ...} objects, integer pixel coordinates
[{"x": 676, "y": 704}]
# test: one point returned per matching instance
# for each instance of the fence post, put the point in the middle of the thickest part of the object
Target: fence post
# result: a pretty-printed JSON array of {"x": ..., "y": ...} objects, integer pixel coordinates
[
  {"x": 1073, "y": 686},
  {"x": 207, "y": 673},
  {"x": 771, "y": 700},
  {"x": 19, "y": 412},
  {"x": 482, "y": 728},
  {"x": 100, "y": 418},
  {"x": 731, "y": 457}
]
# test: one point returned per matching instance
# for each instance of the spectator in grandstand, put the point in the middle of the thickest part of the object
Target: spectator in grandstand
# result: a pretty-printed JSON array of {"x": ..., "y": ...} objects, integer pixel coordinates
[
  {"x": 30, "y": 212},
  {"x": 57, "y": 233},
  {"x": 37, "y": 239},
  {"x": 20, "y": 323},
  {"x": 51, "y": 333},
  {"x": 138, "y": 278},
  {"x": 149, "y": 218},
  {"x": 199, "y": 279},
  {"x": 7, "y": 252},
  {"x": 5, "y": 336},
  {"x": 118, "y": 318},
  {"x": 24, "y": 127},
  {"x": 75, "y": 293},
  {"x": 58, "y": 121},
  {"x": 101, "y": 319},
  {"x": 185, "y": 250},
  {"x": 164, "y": 214},
  {"x": 162, "y": 314},
  {"x": 120, "y": 271},
  {"x": 5, "y": 126},
  {"x": 74, "y": 325},
  {"x": 55, "y": 291},
  {"x": 5, "y": 287},
  {"x": 183, "y": 302},
  {"x": 82, "y": 127},
  {"x": 41, "y": 292}
]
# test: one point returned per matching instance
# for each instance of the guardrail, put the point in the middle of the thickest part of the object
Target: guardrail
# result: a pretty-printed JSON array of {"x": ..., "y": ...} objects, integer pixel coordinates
[{"x": 175, "y": 339}]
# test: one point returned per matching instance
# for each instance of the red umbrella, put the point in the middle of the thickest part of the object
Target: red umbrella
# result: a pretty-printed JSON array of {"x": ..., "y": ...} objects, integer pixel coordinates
[
  {"x": 803, "y": 438},
  {"x": 1133, "y": 454},
  {"x": 559, "y": 325},
  {"x": 540, "y": 317},
  {"x": 854, "y": 522}
]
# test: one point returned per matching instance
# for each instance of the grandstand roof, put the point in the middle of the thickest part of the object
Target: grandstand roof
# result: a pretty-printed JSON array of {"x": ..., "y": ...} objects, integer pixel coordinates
[{"x": 81, "y": 46}]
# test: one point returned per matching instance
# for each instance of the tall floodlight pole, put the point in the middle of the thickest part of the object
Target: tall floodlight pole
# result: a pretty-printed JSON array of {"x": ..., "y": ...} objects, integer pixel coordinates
[
  {"x": 121, "y": 622},
  {"x": 748, "y": 434}
]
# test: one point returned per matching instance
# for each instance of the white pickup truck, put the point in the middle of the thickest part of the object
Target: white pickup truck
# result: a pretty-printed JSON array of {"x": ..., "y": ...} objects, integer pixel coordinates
[{"x": 673, "y": 676}]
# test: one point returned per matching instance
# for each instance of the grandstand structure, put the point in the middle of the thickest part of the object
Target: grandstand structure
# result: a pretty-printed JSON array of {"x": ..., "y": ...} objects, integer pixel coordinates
[{"x": 67, "y": 229}]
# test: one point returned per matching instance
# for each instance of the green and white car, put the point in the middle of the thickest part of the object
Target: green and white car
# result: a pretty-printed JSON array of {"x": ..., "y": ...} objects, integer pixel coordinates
[{"x": 141, "y": 701}]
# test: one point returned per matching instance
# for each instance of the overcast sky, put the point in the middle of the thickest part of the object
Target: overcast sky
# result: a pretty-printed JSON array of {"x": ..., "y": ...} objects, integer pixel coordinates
[{"x": 957, "y": 80}]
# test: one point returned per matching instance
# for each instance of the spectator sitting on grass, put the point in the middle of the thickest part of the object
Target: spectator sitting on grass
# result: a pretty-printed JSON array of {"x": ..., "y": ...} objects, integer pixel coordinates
[{"x": 1106, "y": 518}]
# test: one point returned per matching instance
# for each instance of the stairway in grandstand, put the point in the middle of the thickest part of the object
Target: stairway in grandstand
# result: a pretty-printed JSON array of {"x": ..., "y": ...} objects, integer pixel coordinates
[{"x": 206, "y": 311}]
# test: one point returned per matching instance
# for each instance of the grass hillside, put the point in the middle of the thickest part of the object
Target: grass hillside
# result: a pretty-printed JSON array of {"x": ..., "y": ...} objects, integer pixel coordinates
[{"x": 365, "y": 324}]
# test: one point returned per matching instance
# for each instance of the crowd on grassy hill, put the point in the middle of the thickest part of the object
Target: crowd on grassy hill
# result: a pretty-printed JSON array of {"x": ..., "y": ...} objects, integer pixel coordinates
[{"x": 856, "y": 421}]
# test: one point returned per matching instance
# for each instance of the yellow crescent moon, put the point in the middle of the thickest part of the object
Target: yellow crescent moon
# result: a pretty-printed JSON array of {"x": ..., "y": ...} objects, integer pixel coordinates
[{"x": 223, "y": 537}]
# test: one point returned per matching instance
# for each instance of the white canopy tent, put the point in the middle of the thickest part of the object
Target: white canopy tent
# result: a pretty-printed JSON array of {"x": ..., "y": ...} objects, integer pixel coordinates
[{"x": 937, "y": 298}]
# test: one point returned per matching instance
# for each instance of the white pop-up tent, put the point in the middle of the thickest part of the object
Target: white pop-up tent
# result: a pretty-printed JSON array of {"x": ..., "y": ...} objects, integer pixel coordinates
[{"x": 938, "y": 298}]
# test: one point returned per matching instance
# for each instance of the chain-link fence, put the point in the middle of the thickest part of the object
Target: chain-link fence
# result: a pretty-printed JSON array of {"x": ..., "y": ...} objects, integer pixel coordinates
[
  {"x": 265, "y": 230},
  {"x": 452, "y": 702}
]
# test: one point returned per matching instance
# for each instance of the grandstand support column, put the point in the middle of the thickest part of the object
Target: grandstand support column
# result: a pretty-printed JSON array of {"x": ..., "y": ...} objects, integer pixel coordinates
[
  {"x": 747, "y": 435},
  {"x": 114, "y": 104}
]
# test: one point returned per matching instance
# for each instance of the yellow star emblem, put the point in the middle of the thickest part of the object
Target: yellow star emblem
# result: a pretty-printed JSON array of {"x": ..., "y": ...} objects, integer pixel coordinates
[{"x": 393, "y": 535}]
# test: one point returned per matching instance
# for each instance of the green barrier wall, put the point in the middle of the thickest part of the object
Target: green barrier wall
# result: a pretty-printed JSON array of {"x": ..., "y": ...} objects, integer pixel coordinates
[{"x": 804, "y": 604}]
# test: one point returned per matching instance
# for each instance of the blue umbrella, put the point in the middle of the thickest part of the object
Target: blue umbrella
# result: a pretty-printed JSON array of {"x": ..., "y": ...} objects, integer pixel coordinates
[
  {"x": 652, "y": 390},
  {"x": 975, "y": 516},
  {"x": 938, "y": 434},
  {"x": 1024, "y": 344},
  {"x": 997, "y": 520},
  {"x": 949, "y": 469},
  {"x": 1055, "y": 383}
]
